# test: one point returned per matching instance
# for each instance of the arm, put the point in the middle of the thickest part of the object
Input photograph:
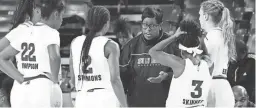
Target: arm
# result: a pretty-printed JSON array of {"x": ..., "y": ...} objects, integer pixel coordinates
[
  {"x": 113, "y": 53},
  {"x": 72, "y": 74},
  {"x": 7, "y": 66},
  {"x": 4, "y": 42},
  {"x": 55, "y": 59},
  {"x": 177, "y": 64}
]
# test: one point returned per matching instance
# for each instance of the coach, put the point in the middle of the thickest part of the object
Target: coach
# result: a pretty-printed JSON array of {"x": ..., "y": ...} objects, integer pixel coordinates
[{"x": 145, "y": 81}]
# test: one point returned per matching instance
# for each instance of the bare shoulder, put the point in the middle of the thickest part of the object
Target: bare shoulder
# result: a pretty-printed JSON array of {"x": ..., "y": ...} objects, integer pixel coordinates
[{"x": 112, "y": 46}]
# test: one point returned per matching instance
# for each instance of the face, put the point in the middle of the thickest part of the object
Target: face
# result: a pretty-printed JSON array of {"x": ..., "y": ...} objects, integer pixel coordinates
[
  {"x": 241, "y": 101},
  {"x": 202, "y": 18},
  {"x": 122, "y": 38},
  {"x": 150, "y": 28}
]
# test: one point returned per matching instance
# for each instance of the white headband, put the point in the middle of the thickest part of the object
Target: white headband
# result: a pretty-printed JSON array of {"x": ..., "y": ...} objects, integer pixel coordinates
[{"x": 193, "y": 50}]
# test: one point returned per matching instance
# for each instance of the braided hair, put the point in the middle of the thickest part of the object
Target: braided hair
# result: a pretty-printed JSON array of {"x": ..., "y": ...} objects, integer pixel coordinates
[
  {"x": 24, "y": 8},
  {"x": 191, "y": 39},
  {"x": 97, "y": 17}
]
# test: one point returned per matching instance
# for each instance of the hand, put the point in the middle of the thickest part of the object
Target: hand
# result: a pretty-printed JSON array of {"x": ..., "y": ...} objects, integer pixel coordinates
[
  {"x": 54, "y": 80},
  {"x": 155, "y": 79},
  {"x": 162, "y": 75},
  {"x": 21, "y": 80},
  {"x": 179, "y": 32}
]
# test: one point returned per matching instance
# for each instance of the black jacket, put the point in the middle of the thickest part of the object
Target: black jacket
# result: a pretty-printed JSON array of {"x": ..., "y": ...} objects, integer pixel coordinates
[{"x": 136, "y": 66}]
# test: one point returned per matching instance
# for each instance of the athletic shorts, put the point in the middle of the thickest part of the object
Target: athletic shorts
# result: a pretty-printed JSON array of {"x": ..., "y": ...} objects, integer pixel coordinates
[
  {"x": 220, "y": 94},
  {"x": 36, "y": 93},
  {"x": 99, "y": 98}
]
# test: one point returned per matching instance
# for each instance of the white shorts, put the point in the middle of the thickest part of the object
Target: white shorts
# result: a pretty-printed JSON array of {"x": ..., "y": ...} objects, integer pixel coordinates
[
  {"x": 100, "y": 98},
  {"x": 16, "y": 95},
  {"x": 38, "y": 93},
  {"x": 220, "y": 94}
]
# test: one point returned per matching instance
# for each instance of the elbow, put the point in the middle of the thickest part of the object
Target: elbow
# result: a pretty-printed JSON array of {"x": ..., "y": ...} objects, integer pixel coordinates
[
  {"x": 2, "y": 60},
  {"x": 115, "y": 80},
  {"x": 55, "y": 58}
]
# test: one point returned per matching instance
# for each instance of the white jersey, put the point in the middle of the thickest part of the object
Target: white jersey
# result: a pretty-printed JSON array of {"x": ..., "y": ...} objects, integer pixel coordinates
[
  {"x": 218, "y": 51},
  {"x": 17, "y": 32},
  {"x": 191, "y": 88},
  {"x": 33, "y": 57},
  {"x": 99, "y": 73}
]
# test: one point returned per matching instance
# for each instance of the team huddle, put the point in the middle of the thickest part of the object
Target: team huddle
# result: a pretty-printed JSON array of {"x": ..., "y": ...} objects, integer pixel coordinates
[{"x": 199, "y": 71}]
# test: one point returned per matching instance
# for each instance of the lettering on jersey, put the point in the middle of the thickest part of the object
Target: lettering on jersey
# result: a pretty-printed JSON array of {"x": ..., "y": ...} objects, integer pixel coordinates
[
  {"x": 89, "y": 77},
  {"x": 192, "y": 102},
  {"x": 224, "y": 71},
  {"x": 147, "y": 61},
  {"x": 29, "y": 65},
  {"x": 27, "y": 55}
]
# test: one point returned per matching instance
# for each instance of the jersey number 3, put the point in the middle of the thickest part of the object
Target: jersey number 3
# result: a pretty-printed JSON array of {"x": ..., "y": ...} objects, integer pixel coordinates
[
  {"x": 28, "y": 47},
  {"x": 198, "y": 90}
]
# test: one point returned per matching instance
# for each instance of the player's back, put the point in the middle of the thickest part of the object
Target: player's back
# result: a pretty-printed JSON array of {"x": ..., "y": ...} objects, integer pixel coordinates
[
  {"x": 33, "y": 58},
  {"x": 98, "y": 74},
  {"x": 218, "y": 51},
  {"x": 191, "y": 88}
]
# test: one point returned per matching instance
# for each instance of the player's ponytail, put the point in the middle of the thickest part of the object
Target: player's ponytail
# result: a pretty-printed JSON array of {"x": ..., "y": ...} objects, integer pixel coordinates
[
  {"x": 85, "y": 59},
  {"x": 221, "y": 17},
  {"x": 227, "y": 26},
  {"x": 97, "y": 17},
  {"x": 24, "y": 8}
]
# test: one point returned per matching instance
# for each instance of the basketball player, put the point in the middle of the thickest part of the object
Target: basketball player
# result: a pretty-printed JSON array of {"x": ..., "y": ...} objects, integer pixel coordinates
[
  {"x": 95, "y": 65},
  {"x": 192, "y": 76},
  {"x": 25, "y": 15},
  {"x": 38, "y": 60},
  {"x": 215, "y": 20}
]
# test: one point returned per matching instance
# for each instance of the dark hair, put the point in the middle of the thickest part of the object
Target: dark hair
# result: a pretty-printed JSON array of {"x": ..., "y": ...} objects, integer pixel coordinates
[
  {"x": 48, "y": 6},
  {"x": 191, "y": 39},
  {"x": 221, "y": 16},
  {"x": 24, "y": 7},
  {"x": 150, "y": 12},
  {"x": 121, "y": 25},
  {"x": 97, "y": 17}
]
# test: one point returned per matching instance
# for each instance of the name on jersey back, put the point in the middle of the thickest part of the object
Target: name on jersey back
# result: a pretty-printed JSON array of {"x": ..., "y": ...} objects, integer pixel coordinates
[{"x": 29, "y": 65}]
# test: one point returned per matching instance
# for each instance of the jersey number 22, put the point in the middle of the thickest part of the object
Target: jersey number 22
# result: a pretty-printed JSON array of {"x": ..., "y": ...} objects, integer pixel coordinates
[{"x": 28, "y": 47}]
